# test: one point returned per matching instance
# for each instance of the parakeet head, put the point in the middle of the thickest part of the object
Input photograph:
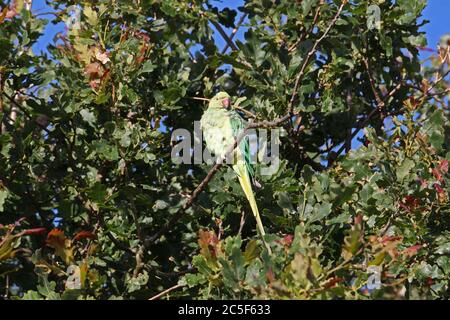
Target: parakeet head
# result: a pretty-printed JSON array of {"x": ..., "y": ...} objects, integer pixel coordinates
[{"x": 220, "y": 100}]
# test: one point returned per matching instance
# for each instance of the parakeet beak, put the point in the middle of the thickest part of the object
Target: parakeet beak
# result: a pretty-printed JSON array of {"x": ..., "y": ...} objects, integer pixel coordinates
[{"x": 226, "y": 103}]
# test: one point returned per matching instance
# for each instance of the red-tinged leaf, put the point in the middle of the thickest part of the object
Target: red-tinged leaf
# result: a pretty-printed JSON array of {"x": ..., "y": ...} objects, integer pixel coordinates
[
  {"x": 443, "y": 166},
  {"x": 11, "y": 13},
  {"x": 140, "y": 59},
  {"x": 437, "y": 174},
  {"x": 93, "y": 70},
  {"x": 425, "y": 49},
  {"x": 104, "y": 77},
  {"x": 287, "y": 240},
  {"x": 3, "y": 14},
  {"x": 208, "y": 242},
  {"x": 270, "y": 275},
  {"x": 423, "y": 183},
  {"x": 84, "y": 235},
  {"x": 142, "y": 35},
  {"x": 14, "y": 9},
  {"x": 438, "y": 188},
  {"x": 34, "y": 231},
  {"x": 393, "y": 252},
  {"x": 332, "y": 282},
  {"x": 56, "y": 238},
  {"x": 413, "y": 249},
  {"x": 63, "y": 248},
  {"x": 429, "y": 281},
  {"x": 103, "y": 57},
  {"x": 94, "y": 84},
  {"x": 410, "y": 203},
  {"x": 391, "y": 239}
]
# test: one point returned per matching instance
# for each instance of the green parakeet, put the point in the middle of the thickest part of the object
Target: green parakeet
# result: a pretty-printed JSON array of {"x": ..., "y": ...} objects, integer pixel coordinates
[{"x": 221, "y": 125}]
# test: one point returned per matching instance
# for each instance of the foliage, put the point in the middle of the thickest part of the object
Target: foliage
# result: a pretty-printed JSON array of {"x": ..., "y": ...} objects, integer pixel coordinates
[{"x": 87, "y": 180}]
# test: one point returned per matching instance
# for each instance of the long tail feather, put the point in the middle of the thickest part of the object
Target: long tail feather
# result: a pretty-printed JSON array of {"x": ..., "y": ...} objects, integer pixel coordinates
[{"x": 246, "y": 185}]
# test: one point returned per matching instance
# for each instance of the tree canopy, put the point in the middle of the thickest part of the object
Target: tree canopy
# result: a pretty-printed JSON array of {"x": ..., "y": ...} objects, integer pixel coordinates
[{"x": 93, "y": 207}]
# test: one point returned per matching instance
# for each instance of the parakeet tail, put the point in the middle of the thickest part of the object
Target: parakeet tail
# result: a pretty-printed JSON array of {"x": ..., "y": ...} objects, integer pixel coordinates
[{"x": 246, "y": 185}]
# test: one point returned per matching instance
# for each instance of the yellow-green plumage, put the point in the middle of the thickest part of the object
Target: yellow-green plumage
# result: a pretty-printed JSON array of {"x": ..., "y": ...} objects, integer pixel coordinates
[{"x": 221, "y": 126}]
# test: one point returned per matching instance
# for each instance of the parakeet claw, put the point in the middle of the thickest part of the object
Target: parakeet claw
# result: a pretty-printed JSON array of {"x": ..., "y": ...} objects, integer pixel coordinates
[{"x": 257, "y": 184}]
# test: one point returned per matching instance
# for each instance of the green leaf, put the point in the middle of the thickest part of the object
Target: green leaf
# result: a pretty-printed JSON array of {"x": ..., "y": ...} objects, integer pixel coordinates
[
  {"x": 160, "y": 205},
  {"x": 3, "y": 195},
  {"x": 32, "y": 295},
  {"x": 91, "y": 15},
  {"x": 307, "y": 5},
  {"x": 405, "y": 169},
  {"x": 320, "y": 212},
  {"x": 88, "y": 116},
  {"x": 135, "y": 283},
  {"x": 147, "y": 67}
]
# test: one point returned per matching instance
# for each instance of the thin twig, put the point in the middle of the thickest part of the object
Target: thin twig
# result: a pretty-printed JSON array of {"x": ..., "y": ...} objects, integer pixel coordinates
[
  {"x": 364, "y": 122},
  {"x": 241, "y": 224},
  {"x": 311, "y": 53},
  {"x": 26, "y": 113},
  {"x": 233, "y": 33},
  {"x": 224, "y": 35},
  {"x": 380, "y": 103},
  {"x": 227, "y": 39},
  {"x": 248, "y": 113},
  {"x": 303, "y": 35},
  {"x": 199, "y": 98},
  {"x": 159, "y": 295}
]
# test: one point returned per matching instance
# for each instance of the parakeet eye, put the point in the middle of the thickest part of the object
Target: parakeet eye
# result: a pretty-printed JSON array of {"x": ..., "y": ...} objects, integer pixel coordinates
[{"x": 226, "y": 102}]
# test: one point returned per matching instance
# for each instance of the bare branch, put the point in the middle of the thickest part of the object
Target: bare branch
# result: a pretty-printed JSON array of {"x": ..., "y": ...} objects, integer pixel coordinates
[
  {"x": 247, "y": 113},
  {"x": 159, "y": 295},
  {"x": 380, "y": 103},
  {"x": 241, "y": 224},
  {"x": 26, "y": 113},
  {"x": 233, "y": 33},
  {"x": 228, "y": 40}
]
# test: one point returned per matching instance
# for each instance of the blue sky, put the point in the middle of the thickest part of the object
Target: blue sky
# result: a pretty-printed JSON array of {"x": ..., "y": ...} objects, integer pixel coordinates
[{"x": 436, "y": 12}]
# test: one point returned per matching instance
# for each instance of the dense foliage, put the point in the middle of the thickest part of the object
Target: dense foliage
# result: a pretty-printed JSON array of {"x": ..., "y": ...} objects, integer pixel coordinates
[{"x": 93, "y": 207}]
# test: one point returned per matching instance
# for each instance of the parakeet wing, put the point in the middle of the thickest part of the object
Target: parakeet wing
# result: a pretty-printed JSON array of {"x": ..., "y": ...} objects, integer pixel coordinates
[{"x": 238, "y": 125}]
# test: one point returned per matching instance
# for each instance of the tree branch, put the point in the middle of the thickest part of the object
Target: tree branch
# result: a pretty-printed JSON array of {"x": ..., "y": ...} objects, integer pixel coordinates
[
  {"x": 364, "y": 122},
  {"x": 233, "y": 33},
  {"x": 228, "y": 40},
  {"x": 303, "y": 35},
  {"x": 311, "y": 53},
  {"x": 159, "y": 295},
  {"x": 25, "y": 112},
  {"x": 380, "y": 103}
]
